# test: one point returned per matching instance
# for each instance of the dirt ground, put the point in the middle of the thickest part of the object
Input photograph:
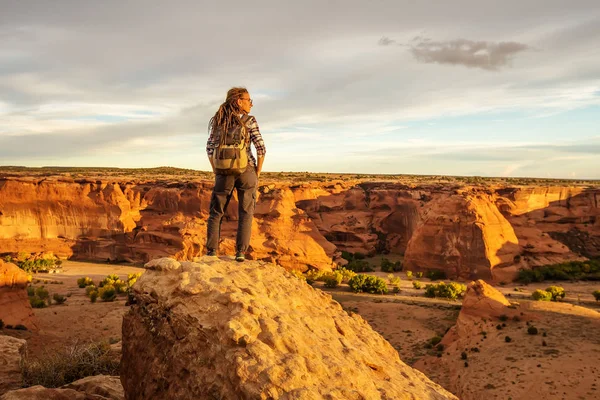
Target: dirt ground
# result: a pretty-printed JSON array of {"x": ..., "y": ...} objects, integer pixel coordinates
[{"x": 565, "y": 368}]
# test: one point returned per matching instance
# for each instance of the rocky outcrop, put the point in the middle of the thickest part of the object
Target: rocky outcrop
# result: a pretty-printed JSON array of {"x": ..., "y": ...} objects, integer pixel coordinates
[
  {"x": 12, "y": 351},
  {"x": 14, "y": 303},
  {"x": 101, "y": 387},
  {"x": 464, "y": 235},
  {"x": 218, "y": 329}
]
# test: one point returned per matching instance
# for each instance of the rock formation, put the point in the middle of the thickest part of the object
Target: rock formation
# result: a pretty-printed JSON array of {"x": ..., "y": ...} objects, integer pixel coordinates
[
  {"x": 11, "y": 353},
  {"x": 14, "y": 303},
  {"x": 470, "y": 232},
  {"x": 99, "y": 387},
  {"x": 218, "y": 329}
]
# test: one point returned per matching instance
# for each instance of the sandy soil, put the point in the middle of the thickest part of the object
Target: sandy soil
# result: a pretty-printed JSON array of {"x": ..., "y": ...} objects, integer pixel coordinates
[{"x": 565, "y": 368}]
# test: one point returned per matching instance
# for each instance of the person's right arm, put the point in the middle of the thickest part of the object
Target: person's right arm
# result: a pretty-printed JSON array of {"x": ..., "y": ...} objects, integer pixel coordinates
[{"x": 259, "y": 144}]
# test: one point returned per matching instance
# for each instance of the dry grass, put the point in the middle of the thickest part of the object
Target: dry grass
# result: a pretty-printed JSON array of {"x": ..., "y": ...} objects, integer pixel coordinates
[{"x": 74, "y": 362}]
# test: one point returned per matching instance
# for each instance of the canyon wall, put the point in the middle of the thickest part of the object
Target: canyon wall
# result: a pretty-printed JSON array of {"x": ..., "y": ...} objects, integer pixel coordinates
[{"x": 470, "y": 232}]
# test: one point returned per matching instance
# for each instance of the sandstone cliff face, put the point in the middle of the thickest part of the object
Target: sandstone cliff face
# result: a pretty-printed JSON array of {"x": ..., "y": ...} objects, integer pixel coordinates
[
  {"x": 218, "y": 329},
  {"x": 469, "y": 232},
  {"x": 463, "y": 234},
  {"x": 14, "y": 303}
]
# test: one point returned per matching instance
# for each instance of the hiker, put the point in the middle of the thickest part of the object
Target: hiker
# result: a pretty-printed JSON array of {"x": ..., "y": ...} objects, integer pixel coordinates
[{"x": 231, "y": 130}]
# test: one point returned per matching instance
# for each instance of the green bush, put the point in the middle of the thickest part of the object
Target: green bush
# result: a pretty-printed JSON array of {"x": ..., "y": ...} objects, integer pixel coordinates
[
  {"x": 75, "y": 362},
  {"x": 36, "y": 302},
  {"x": 450, "y": 290},
  {"x": 416, "y": 284},
  {"x": 59, "y": 298},
  {"x": 107, "y": 293},
  {"x": 42, "y": 293},
  {"x": 120, "y": 286},
  {"x": 596, "y": 294},
  {"x": 388, "y": 266},
  {"x": 83, "y": 282},
  {"x": 409, "y": 274},
  {"x": 333, "y": 280},
  {"x": 132, "y": 278},
  {"x": 419, "y": 275},
  {"x": 30, "y": 291},
  {"x": 20, "y": 327},
  {"x": 359, "y": 266},
  {"x": 346, "y": 274},
  {"x": 367, "y": 284},
  {"x": 573, "y": 270},
  {"x": 435, "y": 274},
  {"x": 93, "y": 296},
  {"x": 541, "y": 295},
  {"x": 89, "y": 289},
  {"x": 556, "y": 292},
  {"x": 508, "y": 339}
]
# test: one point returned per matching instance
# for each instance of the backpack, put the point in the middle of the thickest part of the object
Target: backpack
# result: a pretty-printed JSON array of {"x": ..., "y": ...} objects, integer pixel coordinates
[{"x": 231, "y": 155}]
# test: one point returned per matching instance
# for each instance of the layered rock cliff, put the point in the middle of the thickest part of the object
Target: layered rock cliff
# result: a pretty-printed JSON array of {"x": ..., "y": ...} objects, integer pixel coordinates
[
  {"x": 469, "y": 232},
  {"x": 218, "y": 329}
]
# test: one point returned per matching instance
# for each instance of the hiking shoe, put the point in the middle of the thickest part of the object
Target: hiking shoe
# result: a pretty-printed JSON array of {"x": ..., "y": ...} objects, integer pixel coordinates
[
  {"x": 211, "y": 253},
  {"x": 240, "y": 257}
]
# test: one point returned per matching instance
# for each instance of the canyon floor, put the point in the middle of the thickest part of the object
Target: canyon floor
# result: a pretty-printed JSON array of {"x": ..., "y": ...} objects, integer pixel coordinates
[{"x": 561, "y": 362}]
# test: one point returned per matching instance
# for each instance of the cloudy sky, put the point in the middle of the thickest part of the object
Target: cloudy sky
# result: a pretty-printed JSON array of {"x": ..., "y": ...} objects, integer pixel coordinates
[{"x": 460, "y": 87}]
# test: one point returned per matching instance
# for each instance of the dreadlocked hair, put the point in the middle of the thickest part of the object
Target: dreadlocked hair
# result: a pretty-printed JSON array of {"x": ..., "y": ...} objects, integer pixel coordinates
[{"x": 227, "y": 116}]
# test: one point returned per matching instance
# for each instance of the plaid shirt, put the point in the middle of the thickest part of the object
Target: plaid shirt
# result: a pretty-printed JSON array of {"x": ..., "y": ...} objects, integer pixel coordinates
[{"x": 255, "y": 138}]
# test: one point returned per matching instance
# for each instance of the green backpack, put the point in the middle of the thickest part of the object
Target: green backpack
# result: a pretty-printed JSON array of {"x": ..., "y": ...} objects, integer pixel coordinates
[{"x": 231, "y": 155}]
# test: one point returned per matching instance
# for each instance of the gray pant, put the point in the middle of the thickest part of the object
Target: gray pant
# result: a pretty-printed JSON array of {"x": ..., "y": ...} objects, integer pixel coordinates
[{"x": 245, "y": 184}]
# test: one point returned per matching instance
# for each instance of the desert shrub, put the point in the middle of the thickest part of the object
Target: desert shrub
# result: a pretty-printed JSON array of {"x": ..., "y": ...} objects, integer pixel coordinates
[
  {"x": 333, "y": 280},
  {"x": 508, "y": 339},
  {"x": 393, "y": 280},
  {"x": 435, "y": 274},
  {"x": 359, "y": 266},
  {"x": 346, "y": 274},
  {"x": 132, "y": 278},
  {"x": 20, "y": 327},
  {"x": 556, "y": 292},
  {"x": 69, "y": 364},
  {"x": 347, "y": 256},
  {"x": 419, "y": 275},
  {"x": 359, "y": 256},
  {"x": 40, "y": 265},
  {"x": 450, "y": 290},
  {"x": 107, "y": 293},
  {"x": 1, "y": 324},
  {"x": 409, "y": 274},
  {"x": 532, "y": 330},
  {"x": 416, "y": 284},
  {"x": 573, "y": 270},
  {"x": 541, "y": 295},
  {"x": 83, "y": 282},
  {"x": 36, "y": 302},
  {"x": 30, "y": 291},
  {"x": 109, "y": 280},
  {"x": 42, "y": 293},
  {"x": 503, "y": 317},
  {"x": 59, "y": 298},
  {"x": 463, "y": 355},
  {"x": 388, "y": 266},
  {"x": 120, "y": 286},
  {"x": 596, "y": 294},
  {"x": 368, "y": 284},
  {"x": 93, "y": 296},
  {"x": 89, "y": 289},
  {"x": 434, "y": 341}
]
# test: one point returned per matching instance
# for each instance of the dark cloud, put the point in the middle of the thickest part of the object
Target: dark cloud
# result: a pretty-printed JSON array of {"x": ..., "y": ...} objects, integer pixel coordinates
[
  {"x": 486, "y": 55},
  {"x": 386, "y": 41}
]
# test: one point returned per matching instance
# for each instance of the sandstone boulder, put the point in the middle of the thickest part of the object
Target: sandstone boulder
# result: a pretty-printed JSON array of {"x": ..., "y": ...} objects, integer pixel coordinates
[
  {"x": 14, "y": 303},
  {"x": 99, "y": 387},
  {"x": 220, "y": 329},
  {"x": 11, "y": 353}
]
